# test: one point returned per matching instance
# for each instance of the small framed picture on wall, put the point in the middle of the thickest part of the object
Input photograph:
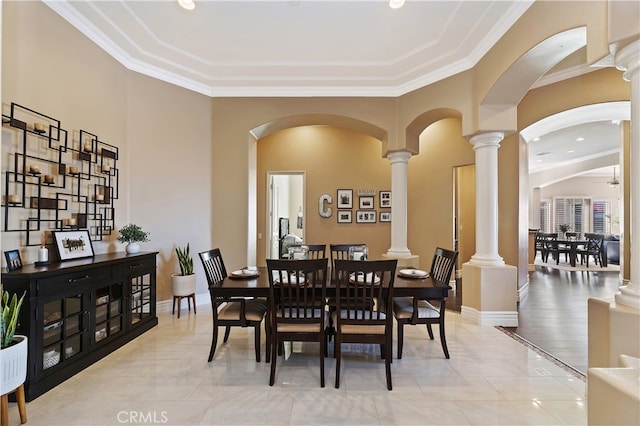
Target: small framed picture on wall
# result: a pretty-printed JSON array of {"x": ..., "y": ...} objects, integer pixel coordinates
[
  {"x": 344, "y": 216},
  {"x": 345, "y": 198},
  {"x": 385, "y": 199},
  {"x": 366, "y": 203},
  {"x": 366, "y": 216},
  {"x": 385, "y": 216}
]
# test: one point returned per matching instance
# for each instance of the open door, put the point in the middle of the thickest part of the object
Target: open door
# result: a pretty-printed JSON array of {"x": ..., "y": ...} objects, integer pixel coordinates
[{"x": 285, "y": 204}]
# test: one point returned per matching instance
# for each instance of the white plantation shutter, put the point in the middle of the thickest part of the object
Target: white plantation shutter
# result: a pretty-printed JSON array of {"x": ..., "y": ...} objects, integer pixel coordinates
[
  {"x": 601, "y": 217},
  {"x": 571, "y": 211}
]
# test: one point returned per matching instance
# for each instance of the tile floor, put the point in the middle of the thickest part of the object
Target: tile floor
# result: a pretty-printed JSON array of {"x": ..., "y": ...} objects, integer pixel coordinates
[{"x": 163, "y": 377}]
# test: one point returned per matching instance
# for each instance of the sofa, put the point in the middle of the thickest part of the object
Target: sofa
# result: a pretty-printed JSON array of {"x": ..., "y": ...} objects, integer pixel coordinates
[{"x": 612, "y": 248}]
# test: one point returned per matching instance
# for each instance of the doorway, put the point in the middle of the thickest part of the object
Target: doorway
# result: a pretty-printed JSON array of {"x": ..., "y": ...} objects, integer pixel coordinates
[{"x": 285, "y": 211}]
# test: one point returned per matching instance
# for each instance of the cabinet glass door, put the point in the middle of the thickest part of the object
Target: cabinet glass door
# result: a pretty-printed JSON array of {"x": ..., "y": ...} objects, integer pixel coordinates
[
  {"x": 64, "y": 325},
  {"x": 109, "y": 311},
  {"x": 141, "y": 297}
]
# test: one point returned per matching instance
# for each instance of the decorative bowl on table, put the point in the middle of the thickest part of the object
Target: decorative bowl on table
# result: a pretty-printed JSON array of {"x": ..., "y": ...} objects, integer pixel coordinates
[{"x": 413, "y": 273}]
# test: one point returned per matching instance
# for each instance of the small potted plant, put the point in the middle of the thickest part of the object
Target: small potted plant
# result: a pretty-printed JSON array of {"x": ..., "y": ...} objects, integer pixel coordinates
[
  {"x": 563, "y": 227},
  {"x": 132, "y": 234},
  {"x": 13, "y": 347},
  {"x": 184, "y": 283}
]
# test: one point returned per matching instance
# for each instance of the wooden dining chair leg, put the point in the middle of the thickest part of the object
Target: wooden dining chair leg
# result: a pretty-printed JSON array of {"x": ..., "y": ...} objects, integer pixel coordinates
[
  {"x": 214, "y": 341},
  {"x": 274, "y": 357},
  {"x": 443, "y": 339},
  {"x": 256, "y": 333},
  {"x": 226, "y": 334},
  {"x": 322, "y": 363},
  {"x": 338, "y": 356},
  {"x": 430, "y": 331},
  {"x": 400, "y": 338},
  {"x": 387, "y": 364}
]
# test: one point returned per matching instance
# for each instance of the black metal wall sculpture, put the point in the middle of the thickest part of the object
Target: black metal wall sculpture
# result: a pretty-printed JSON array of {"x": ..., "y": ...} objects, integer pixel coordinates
[{"x": 52, "y": 185}]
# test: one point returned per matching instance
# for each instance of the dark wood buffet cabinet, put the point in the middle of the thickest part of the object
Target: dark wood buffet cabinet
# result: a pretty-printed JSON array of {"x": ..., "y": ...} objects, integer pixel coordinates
[{"x": 77, "y": 312}]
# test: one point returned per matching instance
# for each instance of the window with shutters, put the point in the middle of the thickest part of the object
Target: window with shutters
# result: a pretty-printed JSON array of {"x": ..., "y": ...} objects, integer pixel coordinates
[
  {"x": 601, "y": 217},
  {"x": 572, "y": 212},
  {"x": 545, "y": 216}
]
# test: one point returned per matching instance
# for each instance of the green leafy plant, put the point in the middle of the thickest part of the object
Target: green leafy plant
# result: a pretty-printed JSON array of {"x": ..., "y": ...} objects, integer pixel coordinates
[
  {"x": 9, "y": 317},
  {"x": 132, "y": 233},
  {"x": 563, "y": 227},
  {"x": 185, "y": 260}
]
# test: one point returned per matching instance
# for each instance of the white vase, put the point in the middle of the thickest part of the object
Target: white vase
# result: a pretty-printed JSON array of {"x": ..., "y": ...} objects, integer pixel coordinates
[
  {"x": 13, "y": 365},
  {"x": 133, "y": 248}
]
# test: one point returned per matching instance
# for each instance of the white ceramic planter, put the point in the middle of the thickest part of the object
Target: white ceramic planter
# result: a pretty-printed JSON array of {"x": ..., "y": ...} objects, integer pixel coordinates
[
  {"x": 133, "y": 248},
  {"x": 13, "y": 365},
  {"x": 183, "y": 285}
]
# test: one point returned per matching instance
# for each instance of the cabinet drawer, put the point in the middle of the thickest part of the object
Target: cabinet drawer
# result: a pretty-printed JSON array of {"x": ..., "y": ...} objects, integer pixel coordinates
[
  {"x": 62, "y": 282},
  {"x": 134, "y": 267}
]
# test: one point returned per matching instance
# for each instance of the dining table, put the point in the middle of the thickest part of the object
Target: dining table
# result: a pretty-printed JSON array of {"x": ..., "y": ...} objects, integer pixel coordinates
[{"x": 258, "y": 286}]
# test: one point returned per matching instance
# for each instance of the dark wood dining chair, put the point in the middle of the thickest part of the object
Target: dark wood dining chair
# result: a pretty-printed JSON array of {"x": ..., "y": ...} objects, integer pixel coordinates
[
  {"x": 593, "y": 247},
  {"x": 314, "y": 251},
  {"x": 416, "y": 310},
  {"x": 549, "y": 242},
  {"x": 355, "y": 319},
  {"x": 297, "y": 290},
  {"x": 230, "y": 311}
]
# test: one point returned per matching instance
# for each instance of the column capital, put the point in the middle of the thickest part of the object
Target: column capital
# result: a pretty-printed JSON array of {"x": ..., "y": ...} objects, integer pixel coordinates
[
  {"x": 399, "y": 156},
  {"x": 627, "y": 59},
  {"x": 486, "y": 139}
]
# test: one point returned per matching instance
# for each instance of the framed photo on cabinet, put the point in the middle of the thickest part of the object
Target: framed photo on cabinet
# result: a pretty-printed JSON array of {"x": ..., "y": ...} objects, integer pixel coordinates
[
  {"x": 385, "y": 199},
  {"x": 74, "y": 244},
  {"x": 345, "y": 198},
  {"x": 13, "y": 260},
  {"x": 344, "y": 216}
]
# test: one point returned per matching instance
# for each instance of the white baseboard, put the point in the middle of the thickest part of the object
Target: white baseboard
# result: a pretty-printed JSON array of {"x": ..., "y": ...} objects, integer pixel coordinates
[
  {"x": 492, "y": 318},
  {"x": 523, "y": 291}
]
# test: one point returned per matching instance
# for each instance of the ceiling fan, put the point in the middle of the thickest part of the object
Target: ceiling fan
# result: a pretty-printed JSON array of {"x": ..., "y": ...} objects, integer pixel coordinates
[{"x": 614, "y": 182}]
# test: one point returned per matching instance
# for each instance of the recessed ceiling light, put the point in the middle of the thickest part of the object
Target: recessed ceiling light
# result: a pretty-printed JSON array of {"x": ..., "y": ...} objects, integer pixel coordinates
[
  {"x": 570, "y": 151},
  {"x": 579, "y": 139},
  {"x": 536, "y": 139},
  {"x": 396, "y": 4},
  {"x": 538, "y": 161},
  {"x": 187, "y": 4}
]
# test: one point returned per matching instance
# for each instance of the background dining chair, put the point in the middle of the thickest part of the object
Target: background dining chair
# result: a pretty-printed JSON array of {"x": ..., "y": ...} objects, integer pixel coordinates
[
  {"x": 592, "y": 248},
  {"x": 416, "y": 310},
  {"x": 314, "y": 251},
  {"x": 549, "y": 242},
  {"x": 227, "y": 311},
  {"x": 297, "y": 291},
  {"x": 356, "y": 320}
]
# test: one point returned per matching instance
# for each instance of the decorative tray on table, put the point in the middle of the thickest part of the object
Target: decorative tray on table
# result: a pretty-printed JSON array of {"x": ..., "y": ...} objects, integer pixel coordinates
[{"x": 413, "y": 273}]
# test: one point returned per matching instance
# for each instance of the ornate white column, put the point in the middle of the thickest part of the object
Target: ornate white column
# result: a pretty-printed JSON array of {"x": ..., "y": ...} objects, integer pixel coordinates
[
  {"x": 486, "y": 147},
  {"x": 628, "y": 60},
  {"x": 399, "y": 161}
]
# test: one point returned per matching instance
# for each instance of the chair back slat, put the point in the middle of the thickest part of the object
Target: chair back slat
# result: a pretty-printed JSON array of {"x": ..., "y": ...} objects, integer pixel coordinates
[
  {"x": 442, "y": 264},
  {"x": 297, "y": 289}
]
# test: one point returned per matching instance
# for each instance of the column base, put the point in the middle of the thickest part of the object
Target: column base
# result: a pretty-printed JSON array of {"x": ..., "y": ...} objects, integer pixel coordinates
[
  {"x": 629, "y": 295},
  {"x": 613, "y": 330},
  {"x": 614, "y": 396},
  {"x": 490, "y": 295}
]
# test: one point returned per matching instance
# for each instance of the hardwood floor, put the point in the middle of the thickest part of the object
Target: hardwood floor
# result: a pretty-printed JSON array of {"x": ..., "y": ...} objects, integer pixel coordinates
[{"x": 553, "y": 316}]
